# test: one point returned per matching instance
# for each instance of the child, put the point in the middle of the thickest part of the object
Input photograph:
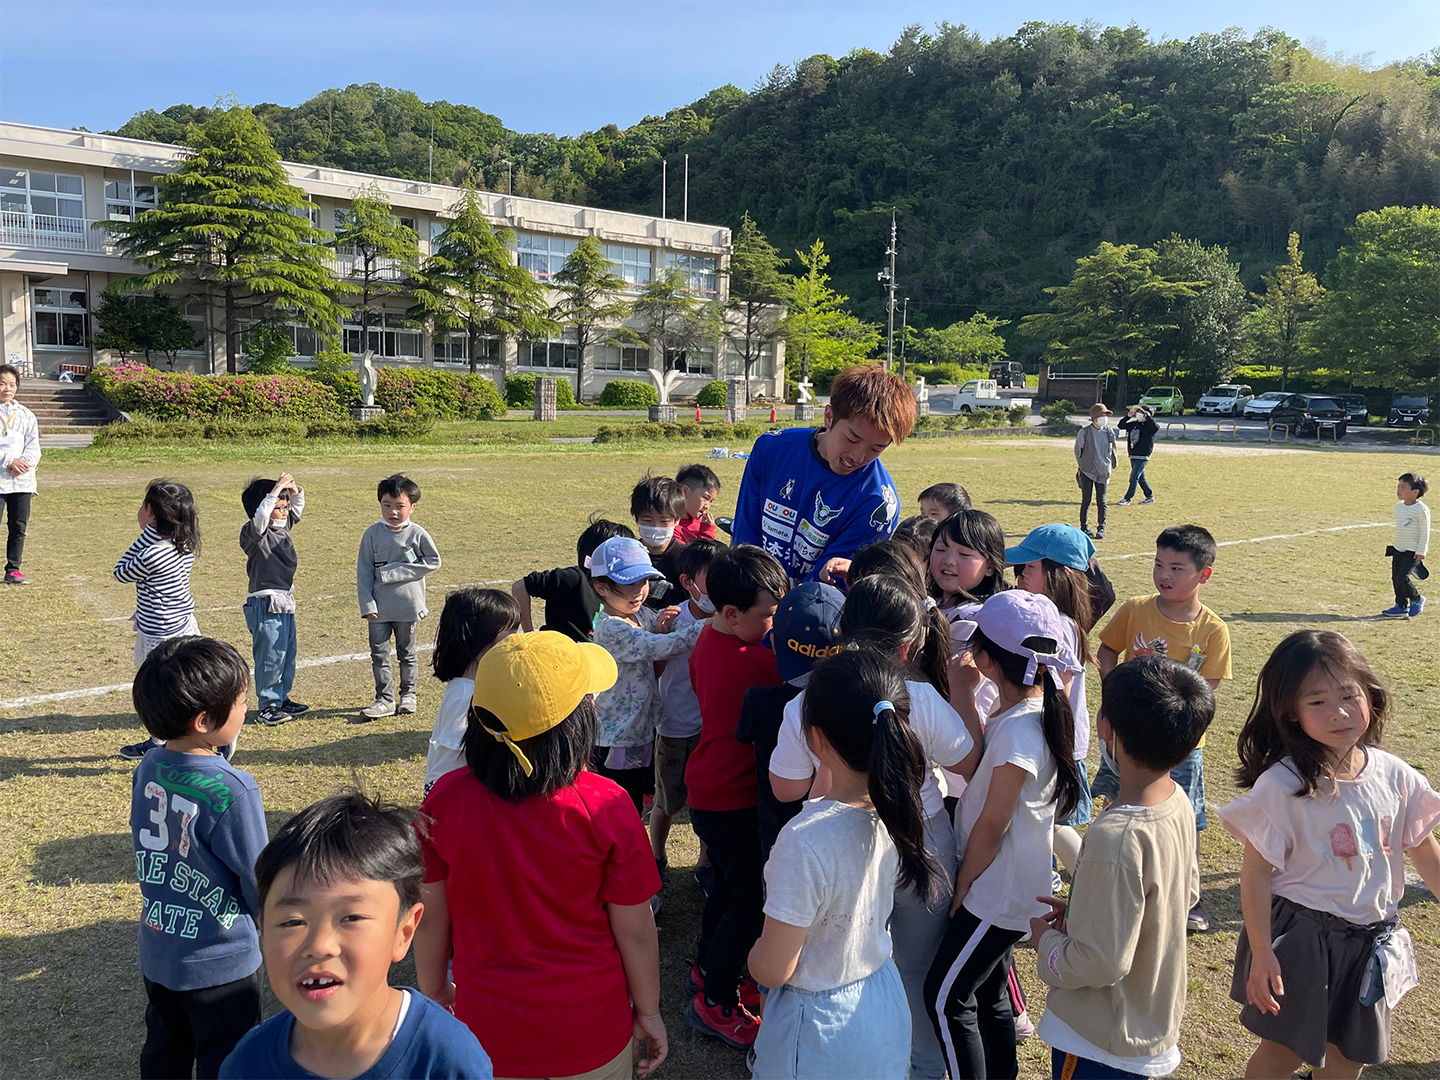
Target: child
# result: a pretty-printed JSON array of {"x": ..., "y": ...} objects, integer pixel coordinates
[
  {"x": 806, "y": 629},
  {"x": 274, "y": 508},
  {"x": 198, "y": 826},
  {"x": 19, "y": 454},
  {"x": 656, "y": 504},
  {"x": 1095, "y": 461},
  {"x": 1412, "y": 543},
  {"x": 630, "y": 713},
  {"x": 395, "y": 556},
  {"x": 883, "y": 614},
  {"x": 340, "y": 885},
  {"x": 539, "y": 876},
  {"x": 967, "y": 561},
  {"x": 746, "y": 586},
  {"x": 1026, "y": 777},
  {"x": 701, "y": 486},
  {"x": 679, "y": 731},
  {"x": 1140, "y": 431},
  {"x": 470, "y": 623},
  {"x": 939, "y": 501},
  {"x": 1114, "y": 956},
  {"x": 839, "y": 1008},
  {"x": 570, "y": 603},
  {"x": 1327, "y": 824},
  {"x": 918, "y": 533},
  {"x": 1176, "y": 624},
  {"x": 159, "y": 563}
]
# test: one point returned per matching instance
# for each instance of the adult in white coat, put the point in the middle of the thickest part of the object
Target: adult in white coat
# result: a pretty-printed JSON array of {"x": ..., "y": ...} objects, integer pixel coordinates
[{"x": 19, "y": 454}]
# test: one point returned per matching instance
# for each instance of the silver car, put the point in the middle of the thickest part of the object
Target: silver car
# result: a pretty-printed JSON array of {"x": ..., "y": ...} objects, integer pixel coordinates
[
  {"x": 1229, "y": 399},
  {"x": 1259, "y": 408}
]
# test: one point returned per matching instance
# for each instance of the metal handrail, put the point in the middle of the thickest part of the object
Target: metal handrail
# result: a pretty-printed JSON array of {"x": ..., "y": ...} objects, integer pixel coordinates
[
  {"x": 50, "y": 232},
  {"x": 1429, "y": 434},
  {"x": 1184, "y": 431},
  {"x": 1283, "y": 427},
  {"x": 1333, "y": 426},
  {"x": 1234, "y": 432}
]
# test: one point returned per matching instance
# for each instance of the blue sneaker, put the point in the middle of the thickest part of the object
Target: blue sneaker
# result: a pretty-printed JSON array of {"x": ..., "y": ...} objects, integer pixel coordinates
[
  {"x": 1399, "y": 611},
  {"x": 1416, "y": 606}
]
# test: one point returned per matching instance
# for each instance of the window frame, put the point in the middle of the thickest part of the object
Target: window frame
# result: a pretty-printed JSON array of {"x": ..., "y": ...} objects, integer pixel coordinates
[{"x": 59, "y": 315}]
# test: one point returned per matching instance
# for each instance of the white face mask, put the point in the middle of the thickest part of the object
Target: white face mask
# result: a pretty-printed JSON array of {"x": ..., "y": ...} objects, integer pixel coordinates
[
  {"x": 656, "y": 535},
  {"x": 1107, "y": 758},
  {"x": 704, "y": 603}
]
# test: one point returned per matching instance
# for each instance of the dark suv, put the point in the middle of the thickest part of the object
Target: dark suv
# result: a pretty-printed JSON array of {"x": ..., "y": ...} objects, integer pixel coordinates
[
  {"x": 1008, "y": 373},
  {"x": 1356, "y": 407},
  {"x": 1407, "y": 409},
  {"x": 1305, "y": 413}
]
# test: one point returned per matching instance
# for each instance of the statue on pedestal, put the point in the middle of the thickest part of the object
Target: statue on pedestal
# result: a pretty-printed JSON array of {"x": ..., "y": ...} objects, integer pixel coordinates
[
  {"x": 368, "y": 379},
  {"x": 803, "y": 388}
]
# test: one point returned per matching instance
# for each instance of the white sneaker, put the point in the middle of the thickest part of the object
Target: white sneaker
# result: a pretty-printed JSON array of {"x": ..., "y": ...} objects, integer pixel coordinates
[
  {"x": 408, "y": 704},
  {"x": 1147, "y": 500},
  {"x": 379, "y": 709},
  {"x": 1123, "y": 502}
]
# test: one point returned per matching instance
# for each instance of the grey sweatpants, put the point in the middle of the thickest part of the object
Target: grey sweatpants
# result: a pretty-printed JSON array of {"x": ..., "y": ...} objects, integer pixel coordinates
[{"x": 380, "y": 658}]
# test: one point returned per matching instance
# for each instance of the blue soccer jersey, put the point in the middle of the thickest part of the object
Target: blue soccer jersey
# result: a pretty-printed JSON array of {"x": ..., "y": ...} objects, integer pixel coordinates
[{"x": 793, "y": 505}]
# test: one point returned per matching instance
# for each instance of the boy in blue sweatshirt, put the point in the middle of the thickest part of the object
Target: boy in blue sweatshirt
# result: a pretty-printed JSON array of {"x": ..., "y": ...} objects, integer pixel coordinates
[{"x": 198, "y": 826}]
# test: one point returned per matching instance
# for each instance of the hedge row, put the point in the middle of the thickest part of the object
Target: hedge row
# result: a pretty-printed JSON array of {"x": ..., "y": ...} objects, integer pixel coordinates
[
  {"x": 744, "y": 431},
  {"x": 629, "y": 394},
  {"x": 444, "y": 395},
  {"x": 144, "y": 432}
]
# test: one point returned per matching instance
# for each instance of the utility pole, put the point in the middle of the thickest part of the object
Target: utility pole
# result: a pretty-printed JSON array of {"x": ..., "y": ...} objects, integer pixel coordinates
[
  {"x": 687, "y": 187},
  {"x": 904, "y": 323},
  {"x": 509, "y": 175},
  {"x": 432, "y": 150},
  {"x": 664, "y": 185},
  {"x": 887, "y": 280}
]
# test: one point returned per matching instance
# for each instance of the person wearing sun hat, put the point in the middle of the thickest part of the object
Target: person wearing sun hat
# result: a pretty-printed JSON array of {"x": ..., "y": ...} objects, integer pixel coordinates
[
  {"x": 538, "y": 875},
  {"x": 1095, "y": 461},
  {"x": 1140, "y": 431}
]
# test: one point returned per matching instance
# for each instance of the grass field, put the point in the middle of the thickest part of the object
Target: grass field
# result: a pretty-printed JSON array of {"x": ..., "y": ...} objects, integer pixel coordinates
[{"x": 71, "y": 999}]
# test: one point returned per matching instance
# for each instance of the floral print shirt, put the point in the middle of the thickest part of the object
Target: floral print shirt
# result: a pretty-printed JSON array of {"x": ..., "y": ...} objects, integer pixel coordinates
[{"x": 630, "y": 711}]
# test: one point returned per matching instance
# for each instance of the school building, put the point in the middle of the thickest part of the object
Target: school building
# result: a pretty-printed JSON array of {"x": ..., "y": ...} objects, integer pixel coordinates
[{"x": 54, "y": 265}]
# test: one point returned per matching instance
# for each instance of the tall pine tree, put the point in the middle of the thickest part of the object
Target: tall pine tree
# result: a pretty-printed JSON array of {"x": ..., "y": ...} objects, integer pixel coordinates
[
  {"x": 757, "y": 289},
  {"x": 1280, "y": 324},
  {"x": 382, "y": 252}
]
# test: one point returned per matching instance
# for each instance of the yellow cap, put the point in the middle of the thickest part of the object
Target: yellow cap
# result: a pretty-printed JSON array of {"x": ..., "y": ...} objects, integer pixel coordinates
[{"x": 532, "y": 682}]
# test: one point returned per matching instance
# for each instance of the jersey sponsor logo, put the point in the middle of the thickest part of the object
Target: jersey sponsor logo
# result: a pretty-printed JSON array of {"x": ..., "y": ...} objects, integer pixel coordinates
[
  {"x": 823, "y": 514},
  {"x": 778, "y": 550},
  {"x": 885, "y": 513},
  {"x": 788, "y": 489},
  {"x": 809, "y": 552},
  {"x": 775, "y": 529},
  {"x": 814, "y": 535},
  {"x": 781, "y": 511}
]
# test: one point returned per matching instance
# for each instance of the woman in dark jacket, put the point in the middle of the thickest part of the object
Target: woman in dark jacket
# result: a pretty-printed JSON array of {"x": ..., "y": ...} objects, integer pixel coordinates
[{"x": 1140, "y": 431}]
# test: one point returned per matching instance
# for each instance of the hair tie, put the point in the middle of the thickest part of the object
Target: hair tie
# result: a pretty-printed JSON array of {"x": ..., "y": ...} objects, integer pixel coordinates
[
  {"x": 587, "y": 562},
  {"x": 882, "y": 707},
  {"x": 930, "y": 604}
]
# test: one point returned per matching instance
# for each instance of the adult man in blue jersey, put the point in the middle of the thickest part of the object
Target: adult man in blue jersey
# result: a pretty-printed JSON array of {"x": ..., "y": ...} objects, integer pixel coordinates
[{"x": 810, "y": 495}]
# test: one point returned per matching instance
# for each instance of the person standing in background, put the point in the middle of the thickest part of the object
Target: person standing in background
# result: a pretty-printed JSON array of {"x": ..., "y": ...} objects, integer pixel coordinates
[
  {"x": 1095, "y": 461},
  {"x": 1140, "y": 431},
  {"x": 19, "y": 454}
]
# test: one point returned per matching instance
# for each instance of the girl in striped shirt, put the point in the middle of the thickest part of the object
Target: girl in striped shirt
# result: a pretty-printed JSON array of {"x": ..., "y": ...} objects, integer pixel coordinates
[{"x": 159, "y": 564}]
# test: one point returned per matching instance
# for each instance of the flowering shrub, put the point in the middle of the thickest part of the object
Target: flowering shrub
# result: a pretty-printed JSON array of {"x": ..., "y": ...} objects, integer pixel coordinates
[
  {"x": 444, "y": 395},
  {"x": 185, "y": 396}
]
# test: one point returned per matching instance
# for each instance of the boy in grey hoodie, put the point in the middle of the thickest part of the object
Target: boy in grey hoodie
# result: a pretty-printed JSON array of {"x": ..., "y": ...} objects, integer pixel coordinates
[{"x": 395, "y": 556}]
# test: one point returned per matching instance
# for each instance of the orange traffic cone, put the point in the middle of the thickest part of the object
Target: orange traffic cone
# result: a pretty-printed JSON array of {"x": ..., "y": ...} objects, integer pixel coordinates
[
  {"x": 772, "y": 414},
  {"x": 697, "y": 414}
]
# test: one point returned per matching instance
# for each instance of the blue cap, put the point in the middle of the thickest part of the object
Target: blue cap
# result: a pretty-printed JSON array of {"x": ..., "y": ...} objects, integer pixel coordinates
[
  {"x": 1064, "y": 544},
  {"x": 623, "y": 560},
  {"x": 807, "y": 627}
]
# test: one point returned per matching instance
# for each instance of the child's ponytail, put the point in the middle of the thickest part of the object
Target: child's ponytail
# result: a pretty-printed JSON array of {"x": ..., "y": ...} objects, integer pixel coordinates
[
  {"x": 887, "y": 614},
  {"x": 859, "y": 701}
]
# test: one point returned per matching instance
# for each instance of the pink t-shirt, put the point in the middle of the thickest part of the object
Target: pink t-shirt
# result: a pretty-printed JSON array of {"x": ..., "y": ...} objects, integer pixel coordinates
[{"x": 1342, "y": 852}]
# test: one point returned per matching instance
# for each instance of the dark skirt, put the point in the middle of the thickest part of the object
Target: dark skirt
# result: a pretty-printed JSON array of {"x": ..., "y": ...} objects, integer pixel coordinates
[{"x": 1322, "y": 963}]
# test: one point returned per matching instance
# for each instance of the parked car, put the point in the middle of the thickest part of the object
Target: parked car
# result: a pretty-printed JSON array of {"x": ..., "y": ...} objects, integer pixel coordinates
[
  {"x": 1008, "y": 373},
  {"x": 1304, "y": 414},
  {"x": 1258, "y": 408},
  {"x": 983, "y": 394},
  {"x": 1164, "y": 399},
  {"x": 1407, "y": 409},
  {"x": 1356, "y": 407},
  {"x": 1229, "y": 399}
]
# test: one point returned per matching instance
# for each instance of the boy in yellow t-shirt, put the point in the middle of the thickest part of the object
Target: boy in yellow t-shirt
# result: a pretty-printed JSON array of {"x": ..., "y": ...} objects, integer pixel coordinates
[{"x": 1174, "y": 623}]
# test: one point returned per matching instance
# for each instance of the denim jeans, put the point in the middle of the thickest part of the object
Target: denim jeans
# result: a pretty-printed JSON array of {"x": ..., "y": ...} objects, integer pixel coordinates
[
  {"x": 405, "y": 653},
  {"x": 1137, "y": 476},
  {"x": 273, "y": 645}
]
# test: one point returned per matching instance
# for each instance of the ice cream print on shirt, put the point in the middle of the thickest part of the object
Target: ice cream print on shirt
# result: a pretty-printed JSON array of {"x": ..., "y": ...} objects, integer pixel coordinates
[
  {"x": 179, "y": 797},
  {"x": 1158, "y": 646},
  {"x": 1350, "y": 840}
]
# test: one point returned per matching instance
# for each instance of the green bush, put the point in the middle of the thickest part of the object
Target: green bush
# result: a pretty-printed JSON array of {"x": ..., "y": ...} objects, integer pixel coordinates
[
  {"x": 744, "y": 432},
  {"x": 158, "y": 395},
  {"x": 443, "y": 395},
  {"x": 141, "y": 432},
  {"x": 1058, "y": 412},
  {"x": 1018, "y": 414},
  {"x": 712, "y": 395},
  {"x": 520, "y": 391},
  {"x": 936, "y": 374},
  {"x": 628, "y": 394}
]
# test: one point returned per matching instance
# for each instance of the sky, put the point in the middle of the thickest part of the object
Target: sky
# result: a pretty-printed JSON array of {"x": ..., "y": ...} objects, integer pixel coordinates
[{"x": 545, "y": 66}]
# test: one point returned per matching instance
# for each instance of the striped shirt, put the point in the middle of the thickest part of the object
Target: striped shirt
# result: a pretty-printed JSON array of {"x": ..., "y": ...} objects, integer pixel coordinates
[
  {"x": 163, "y": 603},
  {"x": 1412, "y": 527}
]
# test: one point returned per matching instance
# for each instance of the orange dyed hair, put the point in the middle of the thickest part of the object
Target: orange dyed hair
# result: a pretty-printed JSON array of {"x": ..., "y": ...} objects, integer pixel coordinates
[{"x": 871, "y": 393}]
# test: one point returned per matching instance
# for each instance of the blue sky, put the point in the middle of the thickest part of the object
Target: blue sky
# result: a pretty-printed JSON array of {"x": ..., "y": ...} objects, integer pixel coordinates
[{"x": 561, "y": 67}]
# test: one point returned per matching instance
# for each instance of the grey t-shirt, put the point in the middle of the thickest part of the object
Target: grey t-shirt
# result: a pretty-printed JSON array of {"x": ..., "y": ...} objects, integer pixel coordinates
[{"x": 833, "y": 870}]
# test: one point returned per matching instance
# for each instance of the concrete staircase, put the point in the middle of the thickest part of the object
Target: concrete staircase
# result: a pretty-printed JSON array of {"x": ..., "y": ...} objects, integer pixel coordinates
[{"x": 61, "y": 407}]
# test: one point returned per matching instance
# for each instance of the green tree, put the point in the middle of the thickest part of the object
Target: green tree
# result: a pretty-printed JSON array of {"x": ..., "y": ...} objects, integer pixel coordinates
[
  {"x": 1381, "y": 314},
  {"x": 1280, "y": 324},
  {"x": 378, "y": 253},
  {"x": 268, "y": 348},
  {"x": 821, "y": 337},
  {"x": 231, "y": 226},
  {"x": 971, "y": 342},
  {"x": 1112, "y": 309},
  {"x": 591, "y": 300},
  {"x": 1209, "y": 332},
  {"x": 757, "y": 292},
  {"x": 135, "y": 323},
  {"x": 471, "y": 282},
  {"x": 677, "y": 320}
]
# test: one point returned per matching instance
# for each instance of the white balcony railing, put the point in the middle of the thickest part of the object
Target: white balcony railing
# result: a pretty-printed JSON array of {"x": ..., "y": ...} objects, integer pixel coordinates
[{"x": 47, "y": 232}]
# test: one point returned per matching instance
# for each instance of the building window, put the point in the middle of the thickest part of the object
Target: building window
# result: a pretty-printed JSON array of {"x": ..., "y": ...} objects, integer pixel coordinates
[
  {"x": 543, "y": 256},
  {"x": 125, "y": 200},
  {"x": 694, "y": 362},
  {"x": 635, "y": 264},
  {"x": 47, "y": 194},
  {"x": 548, "y": 354},
  {"x": 699, "y": 269},
  {"x": 622, "y": 358},
  {"x": 764, "y": 365},
  {"x": 389, "y": 337},
  {"x": 60, "y": 318},
  {"x": 455, "y": 349}
]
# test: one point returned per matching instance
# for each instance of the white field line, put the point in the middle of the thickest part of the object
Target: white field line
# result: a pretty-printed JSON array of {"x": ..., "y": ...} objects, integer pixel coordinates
[{"x": 325, "y": 661}]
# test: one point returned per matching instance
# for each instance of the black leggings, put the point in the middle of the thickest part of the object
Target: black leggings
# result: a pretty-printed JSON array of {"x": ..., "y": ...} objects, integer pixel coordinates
[
  {"x": 17, "y": 511},
  {"x": 1088, "y": 488},
  {"x": 195, "y": 1030},
  {"x": 637, "y": 783},
  {"x": 1401, "y": 563},
  {"x": 968, "y": 998},
  {"x": 734, "y": 913}
]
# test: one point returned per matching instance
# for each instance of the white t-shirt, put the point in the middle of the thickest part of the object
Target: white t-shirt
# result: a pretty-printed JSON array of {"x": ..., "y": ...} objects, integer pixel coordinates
[
  {"x": 1341, "y": 852},
  {"x": 942, "y": 734},
  {"x": 1070, "y": 650},
  {"x": 833, "y": 869},
  {"x": 1055, "y": 1032},
  {"x": 677, "y": 696},
  {"x": 448, "y": 737},
  {"x": 1004, "y": 893}
]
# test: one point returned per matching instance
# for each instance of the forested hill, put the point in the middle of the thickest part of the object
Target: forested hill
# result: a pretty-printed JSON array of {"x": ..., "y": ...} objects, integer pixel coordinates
[{"x": 1005, "y": 159}]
